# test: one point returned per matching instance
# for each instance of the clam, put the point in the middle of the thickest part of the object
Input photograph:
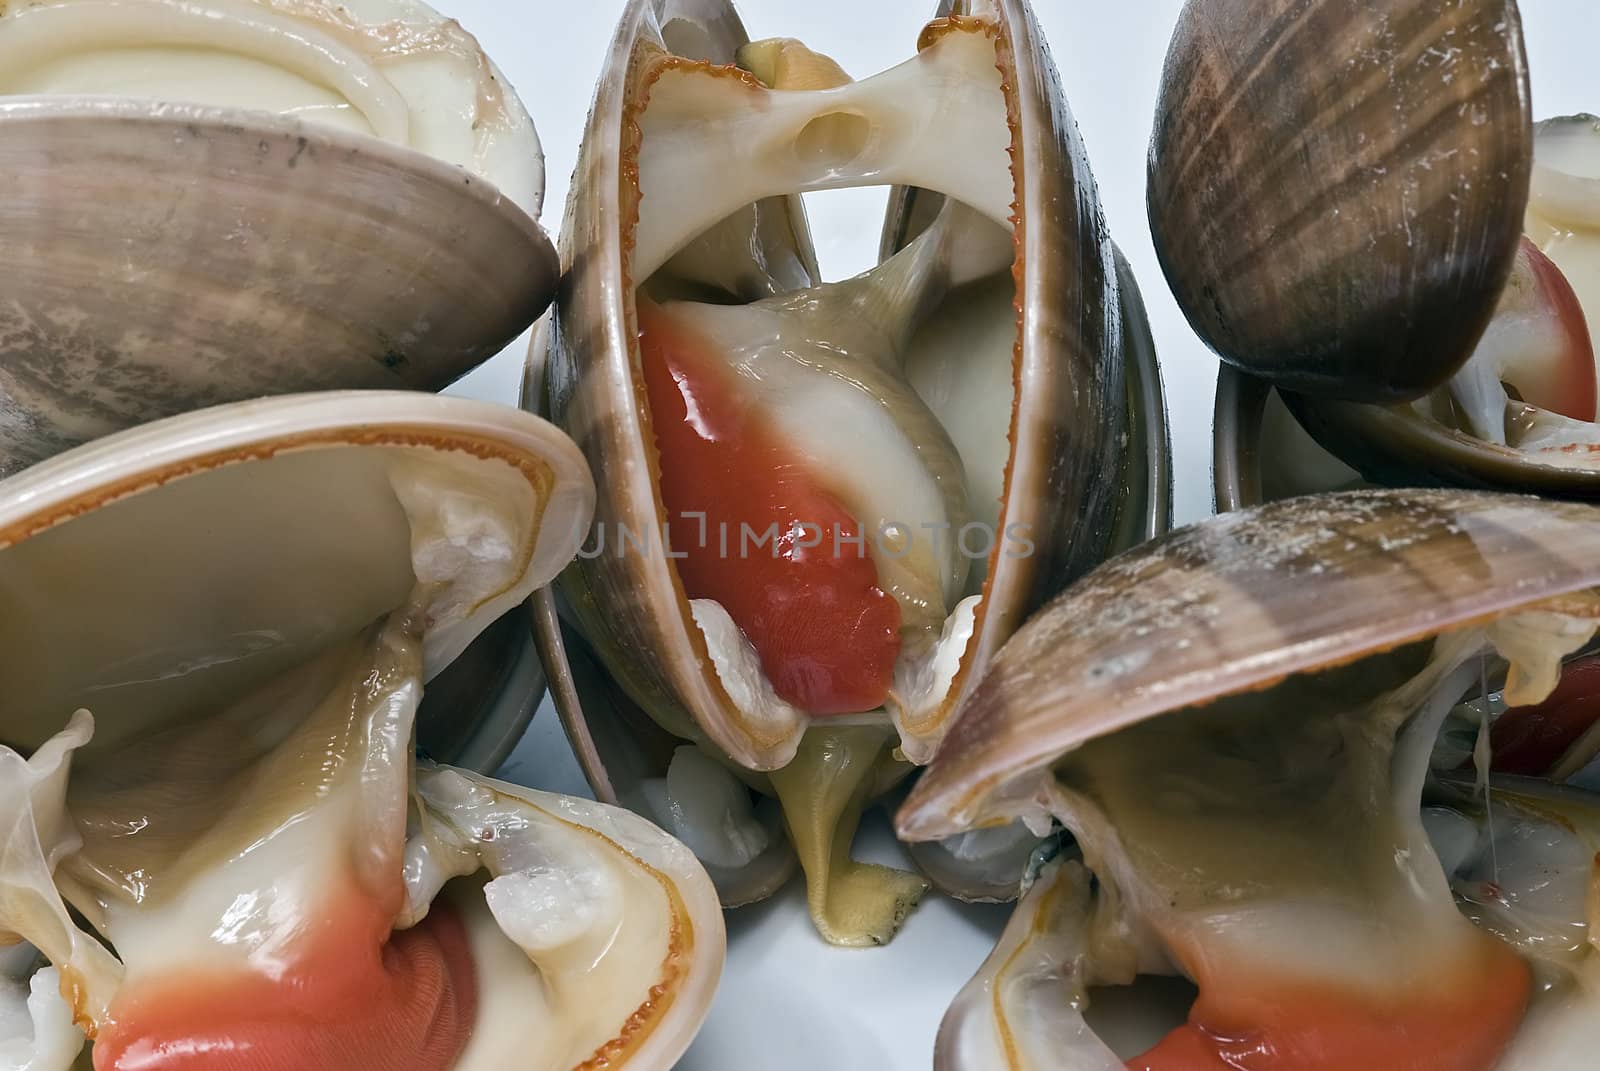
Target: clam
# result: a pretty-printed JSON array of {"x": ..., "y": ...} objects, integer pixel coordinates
[
  {"x": 1522, "y": 868},
  {"x": 1261, "y": 453},
  {"x": 1236, "y": 724},
  {"x": 1353, "y": 206},
  {"x": 1336, "y": 189},
  {"x": 1521, "y": 415},
  {"x": 825, "y": 504},
  {"x": 215, "y": 836},
  {"x": 211, "y": 200}
]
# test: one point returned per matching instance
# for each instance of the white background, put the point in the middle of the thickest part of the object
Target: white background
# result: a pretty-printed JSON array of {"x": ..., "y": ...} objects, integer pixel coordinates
[{"x": 788, "y": 1002}]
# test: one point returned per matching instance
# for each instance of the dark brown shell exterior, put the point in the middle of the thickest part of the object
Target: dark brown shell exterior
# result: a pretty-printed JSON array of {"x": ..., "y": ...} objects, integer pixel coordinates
[
  {"x": 1337, "y": 186},
  {"x": 1238, "y": 603}
]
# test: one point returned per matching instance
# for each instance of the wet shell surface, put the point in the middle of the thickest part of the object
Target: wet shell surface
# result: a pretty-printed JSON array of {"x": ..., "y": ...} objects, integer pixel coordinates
[
  {"x": 1336, "y": 189},
  {"x": 1261, "y": 453},
  {"x": 1306, "y": 867},
  {"x": 1520, "y": 415},
  {"x": 1069, "y": 344},
  {"x": 988, "y": 866}
]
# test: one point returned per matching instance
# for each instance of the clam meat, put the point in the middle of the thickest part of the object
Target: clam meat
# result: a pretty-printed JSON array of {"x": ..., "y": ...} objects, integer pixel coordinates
[
  {"x": 218, "y": 847},
  {"x": 1237, "y": 726},
  {"x": 825, "y": 503}
]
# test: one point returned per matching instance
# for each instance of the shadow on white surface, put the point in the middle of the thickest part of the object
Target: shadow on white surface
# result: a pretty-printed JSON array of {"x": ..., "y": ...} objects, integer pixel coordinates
[{"x": 791, "y": 1002}]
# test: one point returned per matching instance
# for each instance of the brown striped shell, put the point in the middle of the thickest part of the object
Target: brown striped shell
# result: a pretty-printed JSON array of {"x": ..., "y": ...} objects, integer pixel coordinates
[
  {"x": 253, "y": 255},
  {"x": 1276, "y": 444},
  {"x": 1336, "y": 189},
  {"x": 1238, "y": 603}
]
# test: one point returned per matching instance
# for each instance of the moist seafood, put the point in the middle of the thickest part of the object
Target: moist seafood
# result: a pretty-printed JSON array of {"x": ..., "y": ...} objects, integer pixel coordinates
[
  {"x": 823, "y": 503},
  {"x": 1239, "y": 725},
  {"x": 215, "y": 835}
]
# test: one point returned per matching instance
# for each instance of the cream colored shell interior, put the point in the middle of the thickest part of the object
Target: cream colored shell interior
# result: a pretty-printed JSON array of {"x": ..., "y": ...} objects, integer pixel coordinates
[{"x": 395, "y": 69}]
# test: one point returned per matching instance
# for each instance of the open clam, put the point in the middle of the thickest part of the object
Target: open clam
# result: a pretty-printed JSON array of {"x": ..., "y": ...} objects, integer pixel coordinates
[
  {"x": 1521, "y": 415},
  {"x": 1236, "y": 724},
  {"x": 1352, "y": 205},
  {"x": 230, "y": 847},
  {"x": 210, "y": 201},
  {"x": 825, "y": 504},
  {"x": 1336, "y": 189}
]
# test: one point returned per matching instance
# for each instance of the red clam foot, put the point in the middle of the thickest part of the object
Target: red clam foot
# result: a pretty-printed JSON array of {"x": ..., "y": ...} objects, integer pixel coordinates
[
  {"x": 755, "y": 530},
  {"x": 349, "y": 995},
  {"x": 1461, "y": 1021}
]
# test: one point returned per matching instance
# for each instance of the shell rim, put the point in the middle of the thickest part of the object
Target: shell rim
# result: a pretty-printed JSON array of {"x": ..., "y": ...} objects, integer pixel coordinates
[
  {"x": 688, "y": 976},
  {"x": 939, "y": 806},
  {"x": 150, "y": 456}
]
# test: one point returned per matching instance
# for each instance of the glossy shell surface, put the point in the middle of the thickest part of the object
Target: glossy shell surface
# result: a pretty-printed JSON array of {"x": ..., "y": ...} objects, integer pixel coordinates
[
  {"x": 1336, "y": 189},
  {"x": 1390, "y": 446},
  {"x": 279, "y": 550},
  {"x": 1238, "y": 603}
]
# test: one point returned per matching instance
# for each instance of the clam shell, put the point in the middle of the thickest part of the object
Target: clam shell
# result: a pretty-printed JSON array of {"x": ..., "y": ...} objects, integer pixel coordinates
[
  {"x": 161, "y": 258},
  {"x": 191, "y": 507},
  {"x": 1260, "y": 452},
  {"x": 1390, "y": 446},
  {"x": 1146, "y": 514},
  {"x": 1091, "y": 404},
  {"x": 478, "y": 709},
  {"x": 1396, "y": 446},
  {"x": 1147, "y": 501},
  {"x": 1236, "y": 440},
  {"x": 1071, "y": 421},
  {"x": 1239, "y": 603},
  {"x": 132, "y": 568},
  {"x": 619, "y": 747},
  {"x": 1336, "y": 189}
]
